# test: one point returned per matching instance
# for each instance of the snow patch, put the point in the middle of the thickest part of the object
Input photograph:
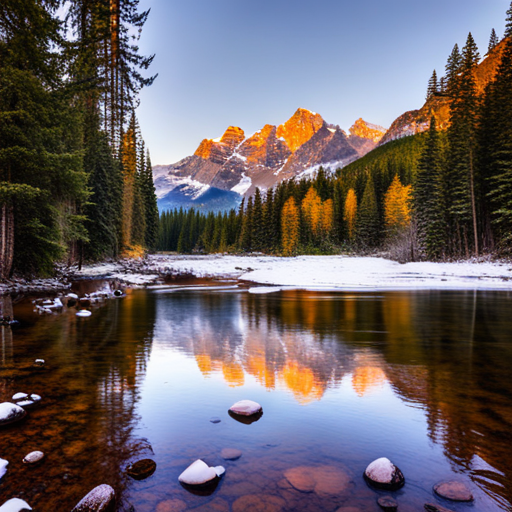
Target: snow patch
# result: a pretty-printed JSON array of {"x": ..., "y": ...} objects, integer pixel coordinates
[
  {"x": 218, "y": 139},
  {"x": 329, "y": 168},
  {"x": 3, "y": 467},
  {"x": 332, "y": 130},
  {"x": 243, "y": 185},
  {"x": 167, "y": 182}
]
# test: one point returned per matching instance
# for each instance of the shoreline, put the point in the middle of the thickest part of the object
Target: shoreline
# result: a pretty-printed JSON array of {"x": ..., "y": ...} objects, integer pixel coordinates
[{"x": 322, "y": 273}]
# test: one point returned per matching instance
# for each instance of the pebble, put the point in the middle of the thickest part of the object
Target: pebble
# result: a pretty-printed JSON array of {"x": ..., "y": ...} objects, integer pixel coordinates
[
  {"x": 199, "y": 473},
  {"x": 383, "y": 474},
  {"x": 246, "y": 408},
  {"x": 98, "y": 500},
  {"x": 230, "y": 453},
  {"x": 10, "y": 413},
  {"x": 15, "y": 505},
  {"x": 387, "y": 503},
  {"x": 453, "y": 490},
  {"x": 215, "y": 419},
  {"x": 141, "y": 469},
  {"x": 33, "y": 457}
]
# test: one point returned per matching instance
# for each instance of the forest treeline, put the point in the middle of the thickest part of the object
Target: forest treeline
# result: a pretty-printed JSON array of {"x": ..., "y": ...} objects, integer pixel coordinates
[
  {"x": 436, "y": 195},
  {"x": 75, "y": 177}
]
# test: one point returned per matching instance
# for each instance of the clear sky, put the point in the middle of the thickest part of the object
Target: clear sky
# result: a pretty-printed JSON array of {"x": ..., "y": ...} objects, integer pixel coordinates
[{"x": 249, "y": 63}]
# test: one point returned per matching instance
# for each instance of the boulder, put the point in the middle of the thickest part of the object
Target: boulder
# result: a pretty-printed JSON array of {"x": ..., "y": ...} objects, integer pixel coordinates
[
  {"x": 10, "y": 413},
  {"x": 246, "y": 408},
  {"x": 383, "y": 474},
  {"x": 3, "y": 467},
  {"x": 454, "y": 491},
  {"x": 199, "y": 473},
  {"x": 230, "y": 453},
  {"x": 15, "y": 505},
  {"x": 33, "y": 457},
  {"x": 100, "y": 499},
  {"x": 387, "y": 503},
  {"x": 141, "y": 469}
]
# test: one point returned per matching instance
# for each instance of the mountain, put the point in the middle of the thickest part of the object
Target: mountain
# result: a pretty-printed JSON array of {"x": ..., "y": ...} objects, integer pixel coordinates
[
  {"x": 238, "y": 164},
  {"x": 417, "y": 121}
]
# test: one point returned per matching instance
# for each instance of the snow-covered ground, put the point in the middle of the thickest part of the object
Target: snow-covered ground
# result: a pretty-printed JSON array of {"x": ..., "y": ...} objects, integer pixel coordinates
[{"x": 326, "y": 272}]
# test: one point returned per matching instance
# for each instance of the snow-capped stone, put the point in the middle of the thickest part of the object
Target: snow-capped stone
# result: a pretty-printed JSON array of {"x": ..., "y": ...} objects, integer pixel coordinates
[
  {"x": 246, "y": 408},
  {"x": 3, "y": 467},
  {"x": 230, "y": 453},
  {"x": 454, "y": 491},
  {"x": 83, "y": 313},
  {"x": 198, "y": 473},
  {"x": 220, "y": 470},
  {"x": 33, "y": 457},
  {"x": 9, "y": 413},
  {"x": 15, "y": 505},
  {"x": 39, "y": 362},
  {"x": 24, "y": 400},
  {"x": 98, "y": 500},
  {"x": 384, "y": 474},
  {"x": 19, "y": 396}
]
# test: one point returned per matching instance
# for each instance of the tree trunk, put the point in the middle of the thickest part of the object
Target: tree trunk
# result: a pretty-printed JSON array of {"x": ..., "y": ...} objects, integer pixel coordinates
[
  {"x": 6, "y": 240},
  {"x": 473, "y": 204}
]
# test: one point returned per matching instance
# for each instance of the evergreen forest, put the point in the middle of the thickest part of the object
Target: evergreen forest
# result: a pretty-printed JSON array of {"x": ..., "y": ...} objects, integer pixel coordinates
[
  {"x": 75, "y": 176},
  {"x": 437, "y": 195}
]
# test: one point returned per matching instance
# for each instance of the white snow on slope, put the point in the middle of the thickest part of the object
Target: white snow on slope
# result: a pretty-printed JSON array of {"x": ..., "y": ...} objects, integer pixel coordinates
[
  {"x": 329, "y": 168},
  {"x": 166, "y": 182},
  {"x": 243, "y": 185}
]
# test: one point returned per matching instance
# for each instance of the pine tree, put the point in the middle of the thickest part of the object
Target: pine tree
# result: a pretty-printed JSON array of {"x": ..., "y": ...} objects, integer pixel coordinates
[
  {"x": 433, "y": 87},
  {"x": 368, "y": 223},
  {"x": 453, "y": 68},
  {"x": 150, "y": 205},
  {"x": 258, "y": 228},
  {"x": 246, "y": 233},
  {"x": 508, "y": 22},
  {"x": 290, "y": 228},
  {"x": 493, "y": 41}
]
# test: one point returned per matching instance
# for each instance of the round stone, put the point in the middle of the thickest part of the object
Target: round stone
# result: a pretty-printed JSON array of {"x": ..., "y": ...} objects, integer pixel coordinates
[
  {"x": 453, "y": 490},
  {"x": 141, "y": 469},
  {"x": 198, "y": 473},
  {"x": 387, "y": 503},
  {"x": 10, "y": 413},
  {"x": 230, "y": 453},
  {"x": 33, "y": 457},
  {"x": 246, "y": 408},
  {"x": 98, "y": 500},
  {"x": 383, "y": 474},
  {"x": 215, "y": 419}
]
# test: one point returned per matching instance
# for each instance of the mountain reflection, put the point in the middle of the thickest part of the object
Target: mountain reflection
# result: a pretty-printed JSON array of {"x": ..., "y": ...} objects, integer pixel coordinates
[{"x": 448, "y": 353}]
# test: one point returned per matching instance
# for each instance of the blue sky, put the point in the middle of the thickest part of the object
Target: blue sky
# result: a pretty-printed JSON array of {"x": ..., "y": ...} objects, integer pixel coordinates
[{"x": 249, "y": 63}]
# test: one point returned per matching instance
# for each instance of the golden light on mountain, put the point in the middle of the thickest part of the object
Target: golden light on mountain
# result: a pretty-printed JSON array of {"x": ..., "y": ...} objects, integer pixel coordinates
[
  {"x": 367, "y": 131},
  {"x": 205, "y": 148},
  {"x": 300, "y": 128}
]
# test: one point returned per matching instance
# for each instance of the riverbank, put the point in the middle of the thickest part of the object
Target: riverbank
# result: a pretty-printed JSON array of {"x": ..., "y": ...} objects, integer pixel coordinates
[{"x": 307, "y": 272}]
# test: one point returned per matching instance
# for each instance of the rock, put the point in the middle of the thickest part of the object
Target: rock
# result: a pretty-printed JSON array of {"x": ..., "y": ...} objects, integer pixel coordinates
[
  {"x": 431, "y": 507},
  {"x": 246, "y": 408},
  {"x": 171, "y": 506},
  {"x": 39, "y": 362},
  {"x": 230, "y": 453},
  {"x": 33, "y": 457},
  {"x": 10, "y": 413},
  {"x": 141, "y": 469},
  {"x": 320, "y": 479},
  {"x": 15, "y": 505},
  {"x": 100, "y": 499},
  {"x": 83, "y": 313},
  {"x": 259, "y": 503},
  {"x": 199, "y": 473},
  {"x": 215, "y": 419},
  {"x": 220, "y": 470},
  {"x": 3, "y": 467},
  {"x": 387, "y": 503},
  {"x": 383, "y": 474},
  {"x": 26, "y": 401},
  {"x": 72, "y": 296},
  {"x": 453, "y": 490},
  {"x": 19, "y": 396},
  {"x": 118, "y": 293}
]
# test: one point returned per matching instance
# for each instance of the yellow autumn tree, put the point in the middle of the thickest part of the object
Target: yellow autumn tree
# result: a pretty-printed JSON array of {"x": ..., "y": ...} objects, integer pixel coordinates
[
  {"x": 327, "y": 218},
  {"x": 397, "y": 207},
  {"x": 129, "y": 159},
  {"x": 289, "y": 227},
  {"x": 350, "y": 213},
  {"x": 312, "y": 210}
]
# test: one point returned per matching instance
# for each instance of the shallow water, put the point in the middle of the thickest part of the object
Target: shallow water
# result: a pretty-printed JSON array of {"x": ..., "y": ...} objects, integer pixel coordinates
[{"x": 422, "y": 378}]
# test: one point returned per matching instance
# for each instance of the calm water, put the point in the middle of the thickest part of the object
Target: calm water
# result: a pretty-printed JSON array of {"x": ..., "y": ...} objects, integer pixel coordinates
[{"x": 423, "y": 378}]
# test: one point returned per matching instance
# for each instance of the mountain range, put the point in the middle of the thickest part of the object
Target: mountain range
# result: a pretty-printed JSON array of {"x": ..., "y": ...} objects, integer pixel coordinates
[{"x": 223, "y": 170}]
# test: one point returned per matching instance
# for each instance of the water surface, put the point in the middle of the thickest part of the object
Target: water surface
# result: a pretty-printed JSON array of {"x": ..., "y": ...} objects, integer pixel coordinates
[{"x": 422, "y": 378}]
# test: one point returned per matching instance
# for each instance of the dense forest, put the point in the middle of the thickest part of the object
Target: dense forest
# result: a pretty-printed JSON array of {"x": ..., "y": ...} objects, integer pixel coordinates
[
  {"x": 75, "y": 177},
  {"x": 437, "y": 195}
]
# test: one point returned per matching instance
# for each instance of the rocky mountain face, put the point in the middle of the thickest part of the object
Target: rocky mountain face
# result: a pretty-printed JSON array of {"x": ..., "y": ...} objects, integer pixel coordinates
[
  {"x": 417, "y": 121},
  {"x": 239, "y": 164}
]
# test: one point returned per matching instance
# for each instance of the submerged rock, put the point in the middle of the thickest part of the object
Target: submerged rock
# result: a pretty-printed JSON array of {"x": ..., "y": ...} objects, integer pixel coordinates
[
  {"x": 383, "y": 474},
  {"x": 246, "y": 408},
  {"x": 215, "y": 419},
  {"x": 33, "y": 457},
  {"x": 387, "y": 503},
  {"x": 100, "y": 499},
  {"x": 230, "y": 453},
  {"x": 141, "y": 469},
  {"x": 3, "y": 467},
  {"x": 10, "y": 413},
  {"x": 199, "y": 473},
  {"x": 259, "y": 503},
  {"x": 454, "y": 491},
  {"x": 319, "y": 479},
  {"x": 15, "y": 505}
]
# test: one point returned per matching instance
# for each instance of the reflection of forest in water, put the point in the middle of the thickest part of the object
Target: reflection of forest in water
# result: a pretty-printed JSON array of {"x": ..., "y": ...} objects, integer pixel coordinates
[
  {"x": 449, "y": 353},
  {"x": 89, "y": 386}
]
